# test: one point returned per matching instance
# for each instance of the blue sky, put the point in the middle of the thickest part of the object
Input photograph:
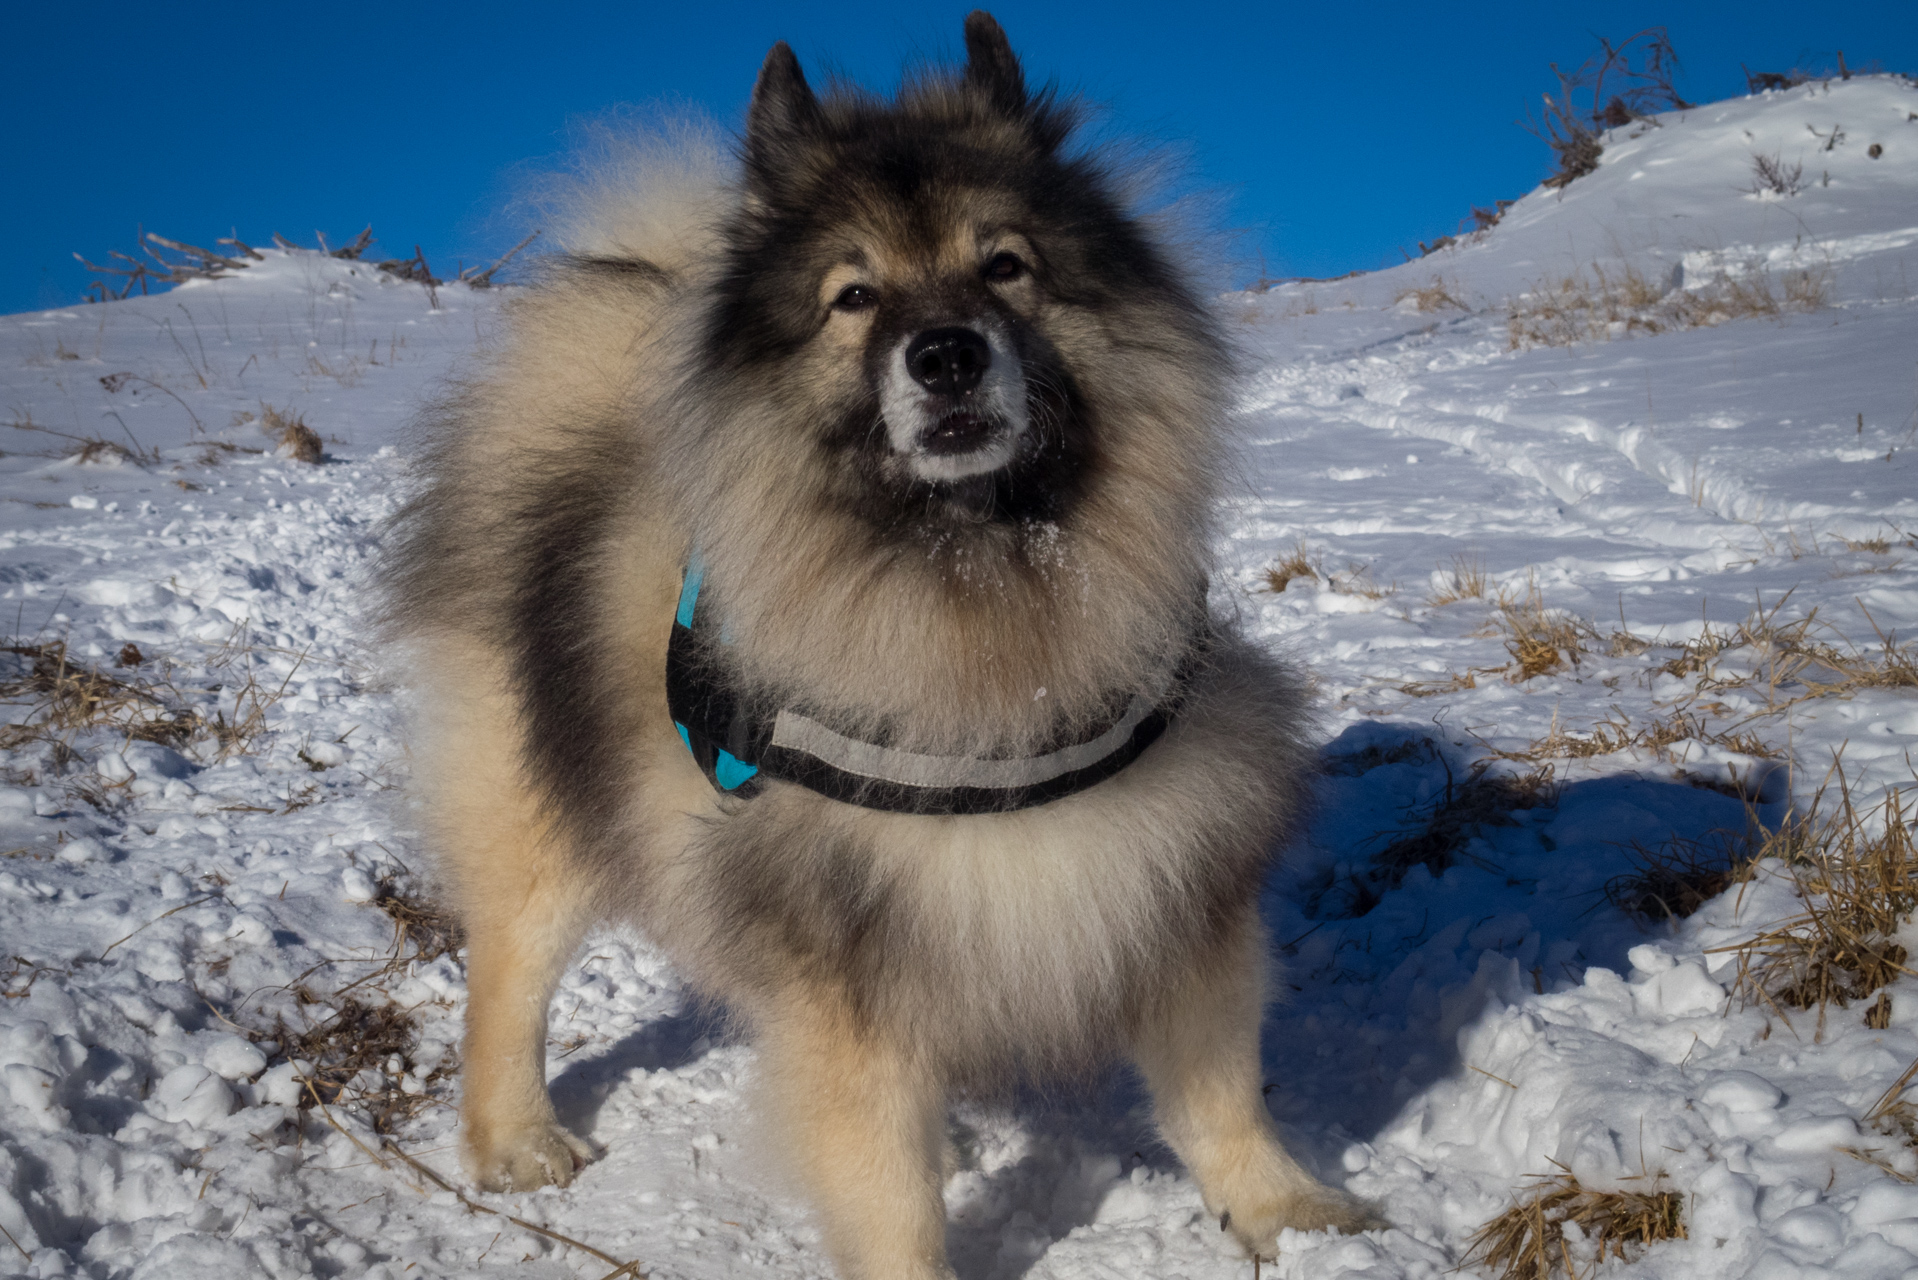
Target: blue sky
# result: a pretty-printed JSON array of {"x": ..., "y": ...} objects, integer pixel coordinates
[{"x": 1331, "y": 136}]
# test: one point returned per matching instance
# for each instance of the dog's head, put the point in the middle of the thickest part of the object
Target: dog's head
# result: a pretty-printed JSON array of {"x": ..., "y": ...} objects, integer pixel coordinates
[{"x": 949, "y": 306}]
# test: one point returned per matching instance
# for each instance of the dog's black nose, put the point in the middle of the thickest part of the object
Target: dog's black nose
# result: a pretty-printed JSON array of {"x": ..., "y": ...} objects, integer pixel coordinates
[{"x": 948, "y": 362}]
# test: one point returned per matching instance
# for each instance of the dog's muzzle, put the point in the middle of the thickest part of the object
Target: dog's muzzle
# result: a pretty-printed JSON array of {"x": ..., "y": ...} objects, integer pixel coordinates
[{"x": 954, "y": 401}]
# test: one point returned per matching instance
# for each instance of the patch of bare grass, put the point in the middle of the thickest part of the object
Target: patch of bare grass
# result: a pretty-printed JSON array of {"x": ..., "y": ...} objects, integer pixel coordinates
[
  {"x": 1530, "y": 1241},
  {"x": 1357, "y": 580},
  {"x": 356, "y": 1047},
  {"x": 1617, "y": 733},
  {"x": 89, "y": 449},
  {"x": 63, "y": 696},
  {"x": 1790, "y": 661}
]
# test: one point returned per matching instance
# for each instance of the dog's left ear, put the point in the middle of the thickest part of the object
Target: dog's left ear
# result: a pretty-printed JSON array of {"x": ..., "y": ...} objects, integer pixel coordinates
[{"x": 991, "y": 66}]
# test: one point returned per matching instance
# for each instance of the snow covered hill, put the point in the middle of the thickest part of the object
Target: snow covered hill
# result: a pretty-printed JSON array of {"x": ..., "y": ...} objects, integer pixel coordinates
[{"x": 1664, "y": 420}]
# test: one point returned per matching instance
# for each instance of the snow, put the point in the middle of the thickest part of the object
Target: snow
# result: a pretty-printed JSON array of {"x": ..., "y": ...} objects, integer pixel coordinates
[{"x": 1437, "y": 1050}]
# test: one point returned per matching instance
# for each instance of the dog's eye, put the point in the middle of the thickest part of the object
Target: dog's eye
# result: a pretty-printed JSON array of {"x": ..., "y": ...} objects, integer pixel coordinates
[
  {"x": 855, "y": 297},
  {"x": 1005, "y": 267}
]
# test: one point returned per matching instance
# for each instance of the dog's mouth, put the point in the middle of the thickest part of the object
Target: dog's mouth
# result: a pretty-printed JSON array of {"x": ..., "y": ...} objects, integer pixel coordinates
[{"x": 958, "y": 434}]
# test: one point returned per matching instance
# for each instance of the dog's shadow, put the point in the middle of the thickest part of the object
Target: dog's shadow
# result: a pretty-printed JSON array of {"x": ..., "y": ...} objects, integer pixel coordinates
[
  {"x": 1040, "y": 1166},
  {"x": 581, "y": 1088},
  {"x": 1032, "y": 1169}
]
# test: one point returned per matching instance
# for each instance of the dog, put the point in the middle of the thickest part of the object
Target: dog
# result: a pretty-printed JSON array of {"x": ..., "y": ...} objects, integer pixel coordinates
[{"x": 815, "y": 576}]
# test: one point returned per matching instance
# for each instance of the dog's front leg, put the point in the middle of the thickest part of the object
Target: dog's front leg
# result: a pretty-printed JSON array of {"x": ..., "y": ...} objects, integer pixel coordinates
[
  {"x": 864, "y": 1123},
  {"x": 1199, "y": 1053},
  {"x": 519, "y": 938}
]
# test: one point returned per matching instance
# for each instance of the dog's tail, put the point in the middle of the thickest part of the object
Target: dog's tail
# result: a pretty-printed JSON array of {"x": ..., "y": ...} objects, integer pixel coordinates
[{"x": 651, "y": 193}]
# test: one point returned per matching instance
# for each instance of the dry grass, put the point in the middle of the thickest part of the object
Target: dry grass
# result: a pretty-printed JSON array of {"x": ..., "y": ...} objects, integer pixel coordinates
[
  {"x": 1676, "y": 878},
  {"x": 1772, "y": 176},
  {"x": 356, "y": 1046},
  {"x": 1465, "y": 580},
  {"x": 89, "y": 449},
  {"x": 1529, "y": 1241},
  {"x": 1790, "y": 661},
  {"x": 1857, "y": 873},
  {"x": 1618, "y": 733},
  {"x": 1597, "y": 305},
  {"x": 1439, "y": 838},
  {"x": 1893, "y": 1115},
  {"x": 1432, "y": 297},
  {"x": 1305, "y": 564},
  {"x": 1301, "y": 563},
  {"x": 1540, "y": 640},
  {"x": 1462, "y": 812},
  {"x": 1356, "y": 580},
  {"x": 64, "y": 698},
  {"x": 291, "y": 437}
]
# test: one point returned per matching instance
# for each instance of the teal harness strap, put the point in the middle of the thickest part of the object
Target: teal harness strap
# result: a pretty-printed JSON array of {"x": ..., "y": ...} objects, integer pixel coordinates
[{"x": 727, "y": 770}]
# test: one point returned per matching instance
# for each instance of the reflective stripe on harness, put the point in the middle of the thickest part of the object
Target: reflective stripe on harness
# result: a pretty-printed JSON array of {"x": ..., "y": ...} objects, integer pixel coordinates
[{"x": 738, "y": 746}]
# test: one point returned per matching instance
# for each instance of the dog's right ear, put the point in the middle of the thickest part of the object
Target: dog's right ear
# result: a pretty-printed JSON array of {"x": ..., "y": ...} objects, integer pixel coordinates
[{"x": 784, "y": 111}]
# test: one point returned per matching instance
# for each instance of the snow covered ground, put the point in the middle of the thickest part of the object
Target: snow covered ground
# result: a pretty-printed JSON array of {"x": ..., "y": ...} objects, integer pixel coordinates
[{"x": 1680, "y": 467}]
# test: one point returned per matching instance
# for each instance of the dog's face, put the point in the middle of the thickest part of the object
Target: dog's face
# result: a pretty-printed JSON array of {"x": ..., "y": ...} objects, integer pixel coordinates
[{"x": 927, "y": 289}]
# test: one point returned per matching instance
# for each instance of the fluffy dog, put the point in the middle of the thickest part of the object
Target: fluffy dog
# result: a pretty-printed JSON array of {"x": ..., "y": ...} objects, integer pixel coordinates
[{"x": 815, "y": 576}]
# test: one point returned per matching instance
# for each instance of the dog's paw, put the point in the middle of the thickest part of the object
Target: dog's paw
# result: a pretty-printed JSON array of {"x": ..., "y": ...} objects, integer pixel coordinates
[
  {"x": 1257, "y": 1227},
  {"x": 520, "y": 1160}
]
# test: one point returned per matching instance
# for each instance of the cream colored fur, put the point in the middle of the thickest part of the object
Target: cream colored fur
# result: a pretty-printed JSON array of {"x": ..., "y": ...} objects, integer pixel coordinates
[{"x": 1030, "y": 942}]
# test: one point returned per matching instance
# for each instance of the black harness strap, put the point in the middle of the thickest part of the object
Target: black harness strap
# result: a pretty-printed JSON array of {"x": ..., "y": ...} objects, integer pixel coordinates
[{"x": 737, "y": 746}]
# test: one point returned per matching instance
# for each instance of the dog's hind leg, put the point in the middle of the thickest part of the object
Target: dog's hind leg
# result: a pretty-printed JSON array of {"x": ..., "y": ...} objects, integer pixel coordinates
[
  {"x": 1199, "y": 1052},
  {"x": 864, "y": 1124}
]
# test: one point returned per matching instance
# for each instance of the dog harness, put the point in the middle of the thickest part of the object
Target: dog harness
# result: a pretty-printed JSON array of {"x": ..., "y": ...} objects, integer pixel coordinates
[{"x": 739, "y": 746}]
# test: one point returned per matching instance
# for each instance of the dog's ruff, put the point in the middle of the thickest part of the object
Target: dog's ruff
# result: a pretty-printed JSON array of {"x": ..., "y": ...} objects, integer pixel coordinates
[{"x": 739, "y": 749}]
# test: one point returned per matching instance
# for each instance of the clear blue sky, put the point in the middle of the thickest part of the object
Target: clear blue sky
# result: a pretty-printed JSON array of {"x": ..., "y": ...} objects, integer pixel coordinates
[{"x": 1334, "y": 134}]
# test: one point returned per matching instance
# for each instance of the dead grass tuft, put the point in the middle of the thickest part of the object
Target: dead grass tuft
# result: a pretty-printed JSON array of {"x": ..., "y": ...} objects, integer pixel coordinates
[
  {"x": 1597, "y": 305},
  {"x": 419, "y": 922},
  {"x": 1857, "y": 873},
  {"x": 1530, "y": 1241},
  {"x": 1357, "y": 580},
  {"x": 1540, "y": 640},
  {"x": 65, "y": 697},
  {"x": 1676, "y": 878},
  {"x": 1462, "y": 812},
  {"x": 1618, "y": 733},
  {"x": 1432, "y": 297},
  {"x": 1466, "y": 580},
  {"x": 1301, "y": 563},
  {"x": 1790, "y": 661},
  {"x": 1771, "y": 176},
  {"x": 291, "y": 437},
  {"x": 356, "y": 1052},
  {"x": 356, "y": 1047}
]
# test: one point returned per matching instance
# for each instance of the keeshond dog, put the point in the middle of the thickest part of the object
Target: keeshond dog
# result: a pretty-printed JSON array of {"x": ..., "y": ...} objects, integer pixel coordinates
[{"x": 815, "y": 576}]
